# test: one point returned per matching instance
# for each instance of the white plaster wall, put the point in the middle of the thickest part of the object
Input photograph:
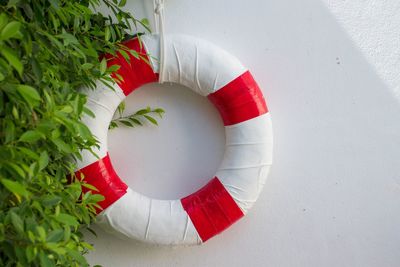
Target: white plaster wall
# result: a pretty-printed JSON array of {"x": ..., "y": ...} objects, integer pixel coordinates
[{"x": 330, "y": 71}]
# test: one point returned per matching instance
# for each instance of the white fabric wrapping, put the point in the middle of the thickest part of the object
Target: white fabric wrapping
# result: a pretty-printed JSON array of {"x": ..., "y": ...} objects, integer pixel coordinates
[
  {"x": 204, "y": 68},
  {"x": 150, "y": 220},
  {"x": 195, "y": 63},
  {"x": 247, "y": 160},
  {"x": 103, "y": 102}
]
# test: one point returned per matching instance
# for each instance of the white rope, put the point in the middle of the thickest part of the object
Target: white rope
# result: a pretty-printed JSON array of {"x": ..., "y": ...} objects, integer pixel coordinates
[{"x": 159, "y": 25}]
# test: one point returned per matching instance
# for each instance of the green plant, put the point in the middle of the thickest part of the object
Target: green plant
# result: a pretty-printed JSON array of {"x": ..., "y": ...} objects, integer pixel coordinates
[
  {"x": 137, "y": 118},
  {"x": 48, "y": 49}
]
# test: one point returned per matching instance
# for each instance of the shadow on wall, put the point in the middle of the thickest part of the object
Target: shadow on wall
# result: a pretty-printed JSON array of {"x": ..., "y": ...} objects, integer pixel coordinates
[{"x": 332, "y": 198}]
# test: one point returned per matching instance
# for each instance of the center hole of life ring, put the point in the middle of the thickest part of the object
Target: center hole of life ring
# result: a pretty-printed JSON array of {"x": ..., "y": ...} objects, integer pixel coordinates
[{"x": 175, "y": 158}]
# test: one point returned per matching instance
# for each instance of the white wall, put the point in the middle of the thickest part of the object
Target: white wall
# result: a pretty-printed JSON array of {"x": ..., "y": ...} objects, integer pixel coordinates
[{"x": 330, "y": 71}]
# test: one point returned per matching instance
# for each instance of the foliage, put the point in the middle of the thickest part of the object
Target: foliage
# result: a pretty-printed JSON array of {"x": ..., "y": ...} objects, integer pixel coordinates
[
  {"x": 48, "y": 49},
  {"x": 137, "y": 118}
]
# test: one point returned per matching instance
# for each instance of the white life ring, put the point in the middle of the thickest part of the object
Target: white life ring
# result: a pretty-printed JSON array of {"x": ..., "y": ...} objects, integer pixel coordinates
[{"x": 211, "y": 72}]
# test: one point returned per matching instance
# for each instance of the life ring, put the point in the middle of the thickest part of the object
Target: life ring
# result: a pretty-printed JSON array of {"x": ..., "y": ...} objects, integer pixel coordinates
[{"x": 211, "y": 72}]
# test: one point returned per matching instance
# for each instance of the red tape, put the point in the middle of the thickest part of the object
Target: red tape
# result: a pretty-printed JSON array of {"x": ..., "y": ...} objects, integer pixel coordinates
[
  {"x": 136, "y": 72},
  {"x": 102, "y": 175},
  {"x": 240, "y": 100},
  {"x": 211, "y": 209}
]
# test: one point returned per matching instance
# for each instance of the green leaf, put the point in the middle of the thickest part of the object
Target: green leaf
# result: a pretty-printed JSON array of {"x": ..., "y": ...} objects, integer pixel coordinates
[
  {"x": 125, "y": 55},
  {"x": 84, "y": 131},
  {"x": 67, "y": 233},
  {"x": 121, "y": 108},
  {"x": 145, "y": 22},
  {"x": 29, "y": 153},
  {"x": 62, "y": 146},
  {"x": 17, "y": 222},
  {"x": 41, "y": 232},
  {"x": 151, "y": 119},
  {"x": 87, "y": 66},
  {"x": 134, "y": 53},
  {"x": 51, "y": 200},
  {"x": 77, "y": 256},
  {"x": 15, "y": 113},
  {"x": 159, "y": 111},
  {"x": 45, "y": 261},
  {"x": 29, "y": 93},
  {"x": 103, "y": 66},
  {"x": 87, "y": 245},
  {"x": 16, "y": 168},
  {"x": 3, "y": 20},
  {"x": 37, "y": 70},
  {"x": 126, "y": 123},
  {"x": 91, "y": 231},
  {"x": 30, "y": 136},
  {"x": 107, "y": 33},
  {"x": 136, "y": 121},
  {"x": 67, "y": 219},
  {"x": 112, "y": 125},
  {"x": 55, "y": 235},
  {"x": 54, "y": 247},
  {"x": 12, "y": 58},
  {"x": 43, "y": 160},
  {"x": 10, "y": 30},
  {"x": 68, "y": 38},
  {"x": 89, "y": 186},
  {"x": 114, "y": 68},
  {"x": 143, "y": 111},
  {"x": 30, "y": 253},
  {"x": 96, "y": 198},
  {"x": 15, "y": 187},
  {"x": 66, "y": 109},
  {"x": 88, "y": 112},
  {"x": 9, "y": 131}
]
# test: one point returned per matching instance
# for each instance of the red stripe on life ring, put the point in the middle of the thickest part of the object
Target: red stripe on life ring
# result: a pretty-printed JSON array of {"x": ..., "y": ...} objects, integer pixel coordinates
[
  {"x": 211, "y": 209},
  {"x": 240, "y": 100},
  {"x": 136, "y": 72},
  {"x": 102, "y": 175}
]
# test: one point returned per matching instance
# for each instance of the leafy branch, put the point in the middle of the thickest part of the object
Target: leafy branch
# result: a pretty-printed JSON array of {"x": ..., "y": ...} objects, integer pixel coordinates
[
  {"x": 48, "y": 50},
  {"x": 138, "y": 118}
]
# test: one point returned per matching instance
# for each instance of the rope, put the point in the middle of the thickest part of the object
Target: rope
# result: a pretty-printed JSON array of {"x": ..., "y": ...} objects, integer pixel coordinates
[{"x": 159, "y": 25}]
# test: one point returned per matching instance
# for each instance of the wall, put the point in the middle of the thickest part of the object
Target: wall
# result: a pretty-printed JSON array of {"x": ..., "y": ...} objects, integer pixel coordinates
[{"x": 330, "y": 71}]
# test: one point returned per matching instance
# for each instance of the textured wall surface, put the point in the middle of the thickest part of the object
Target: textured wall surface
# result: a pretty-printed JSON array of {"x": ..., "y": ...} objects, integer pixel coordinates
[{"x": 330, "y": 72}]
